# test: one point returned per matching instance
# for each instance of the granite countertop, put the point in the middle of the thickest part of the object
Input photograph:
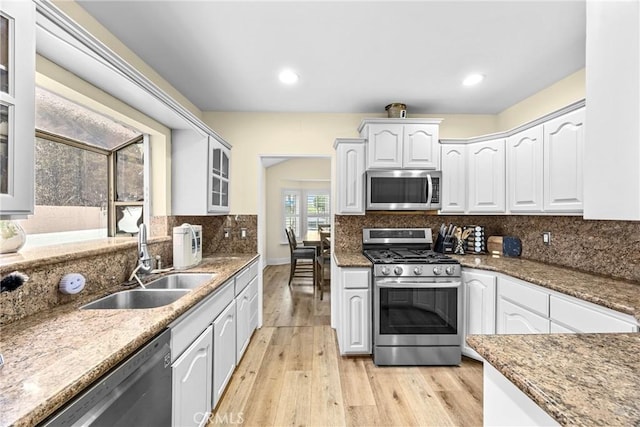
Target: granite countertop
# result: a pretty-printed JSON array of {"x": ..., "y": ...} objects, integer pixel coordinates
[
  {"x": 53, "y": 355},
  {"x": 616, "y": 294},
  {"x": 578, "y": 379}
]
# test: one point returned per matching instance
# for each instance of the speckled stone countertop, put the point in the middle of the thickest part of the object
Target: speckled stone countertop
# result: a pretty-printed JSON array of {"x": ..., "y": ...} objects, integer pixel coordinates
[
  {"x": 616, "y": 294},
  {"x": 51, "y": 356},
  {"x": 620, "y": 295},
  {"x": 578, "y": 379},
  {"x": 351, "y": 259}
]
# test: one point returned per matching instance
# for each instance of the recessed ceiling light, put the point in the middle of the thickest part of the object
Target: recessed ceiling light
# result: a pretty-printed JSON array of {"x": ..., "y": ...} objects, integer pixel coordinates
[
  {"x": 288, "y": 77},
  {"x": 473, "y": 79}
]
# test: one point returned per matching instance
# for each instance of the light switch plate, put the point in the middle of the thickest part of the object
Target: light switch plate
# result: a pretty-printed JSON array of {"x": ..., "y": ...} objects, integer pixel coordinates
[{"x": 546, "y": 238}]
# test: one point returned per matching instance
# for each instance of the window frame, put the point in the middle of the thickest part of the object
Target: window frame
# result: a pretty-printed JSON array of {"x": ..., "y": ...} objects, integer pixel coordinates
[
  {"x": 111, "y": 174},
  {"x": 303, "y": 196}
]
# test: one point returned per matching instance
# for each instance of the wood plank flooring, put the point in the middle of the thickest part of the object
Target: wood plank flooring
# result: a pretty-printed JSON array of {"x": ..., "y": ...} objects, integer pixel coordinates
[{"x": 293, "y": 375}]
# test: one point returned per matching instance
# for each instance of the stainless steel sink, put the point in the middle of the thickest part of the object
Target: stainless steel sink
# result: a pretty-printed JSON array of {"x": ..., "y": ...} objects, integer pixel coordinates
[
  {"x": 136, "y": 299},
  {"x": 180, "y": 281}
]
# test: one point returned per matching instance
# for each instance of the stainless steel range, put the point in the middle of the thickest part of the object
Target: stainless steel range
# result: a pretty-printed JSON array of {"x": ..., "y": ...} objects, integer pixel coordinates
[{"x": 417, "y": 298}]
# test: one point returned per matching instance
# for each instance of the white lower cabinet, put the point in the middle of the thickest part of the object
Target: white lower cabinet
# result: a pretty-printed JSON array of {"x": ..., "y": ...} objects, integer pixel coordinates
[
  {"x": 354, "y": 327},
  {"x": 479, "y": 306},
  {"x": 504, "y": 404},
  {"x": 578, "y": 316},
  {"x": 243, "y": 322},
  {"x": 191, "y": 382},
  {"x": 514, "y": 319},
  {"x": 224, "y": 351},
  {"x": 253, "y": 306}
]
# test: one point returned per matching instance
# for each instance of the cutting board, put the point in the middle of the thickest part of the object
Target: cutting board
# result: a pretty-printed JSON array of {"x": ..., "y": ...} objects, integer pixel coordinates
[{"x": 494, "y": 245}]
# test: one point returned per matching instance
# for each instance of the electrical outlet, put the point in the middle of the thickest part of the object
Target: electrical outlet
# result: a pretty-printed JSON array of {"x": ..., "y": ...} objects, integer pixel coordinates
[{"x": 546, "y": 238}]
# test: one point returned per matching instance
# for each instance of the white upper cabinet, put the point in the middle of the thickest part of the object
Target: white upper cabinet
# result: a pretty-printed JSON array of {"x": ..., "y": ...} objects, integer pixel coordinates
[
  {"x": 486, "y": 176},
  {"x": 563, "y": 162},
  {"x": 17, "y": 108},
  {"x": 350, "y": 176},
  {"x": 401, "y": 143},
  {"x": 525, "y": 171},
  {"x": 200, "y": 174},
  {"x": 612, "y": 135},
  {"x": 454, "y": 177}
]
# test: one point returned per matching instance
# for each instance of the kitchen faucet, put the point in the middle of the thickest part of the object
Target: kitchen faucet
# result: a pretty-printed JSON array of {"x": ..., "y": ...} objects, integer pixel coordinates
[{"x": 145, "y": 263}]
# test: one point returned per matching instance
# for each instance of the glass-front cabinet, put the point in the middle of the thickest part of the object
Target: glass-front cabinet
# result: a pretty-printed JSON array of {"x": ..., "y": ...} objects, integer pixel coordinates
[
  {"x": 218, "y": 177},
  {"x": 17, "y": 108}
]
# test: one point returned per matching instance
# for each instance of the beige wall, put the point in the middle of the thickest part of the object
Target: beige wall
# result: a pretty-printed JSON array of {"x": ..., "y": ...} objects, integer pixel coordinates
[
  {"x": 293, "y": 174},
  {"x": 255, "y": 134},
  {"x": 62, "y": 82},
  {"x": 558, "y": 95}
]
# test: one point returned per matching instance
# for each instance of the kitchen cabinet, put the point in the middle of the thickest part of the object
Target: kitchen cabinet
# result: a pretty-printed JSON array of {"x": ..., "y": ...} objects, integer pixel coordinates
[
  {"x": 504, "y": 404},
  {"x": 563, "y": 162},
  {"x": 246, "y": 290},
  {"x": 612, "y": 136},
  {"x": 17, "y": 109},
  {"x": 224, "y": 351},
  {"x": 522, "y": 308},
  {"x": 354, "y": 327},
  {"x": 350, "y": 176},
  {"x": 580, "y": 316},
  {"x": 454, "y": 178},
  {"x": 401, "y": 143},
  {"x": 479, "y": 306},
  {"x": 200, "y": 174},
  {"x": 191, "y": 382},
  {"x": 525, "y": 170},
  {"x": 487, "y": 176}
]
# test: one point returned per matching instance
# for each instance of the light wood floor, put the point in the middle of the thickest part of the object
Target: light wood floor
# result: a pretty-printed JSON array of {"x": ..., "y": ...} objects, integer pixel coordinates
[{"x": 292, "y": 374}]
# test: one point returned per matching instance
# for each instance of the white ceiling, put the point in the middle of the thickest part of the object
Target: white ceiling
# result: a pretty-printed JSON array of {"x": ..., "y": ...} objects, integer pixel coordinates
[{"x": 352, "y": 56}]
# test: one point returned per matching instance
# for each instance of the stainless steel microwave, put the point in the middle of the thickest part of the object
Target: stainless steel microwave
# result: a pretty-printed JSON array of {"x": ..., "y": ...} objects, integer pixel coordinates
[{"x": 404, "y": 190}]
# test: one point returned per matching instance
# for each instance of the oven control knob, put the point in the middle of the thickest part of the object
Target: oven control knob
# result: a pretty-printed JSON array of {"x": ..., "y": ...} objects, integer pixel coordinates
[
  {"x": 385, "y": 271},
  {"x": 417, "y": 271},
  {"x": 437, "y": 270},
  {"x": 398, "y": 271},
  {"x": 450, "y": 270}
]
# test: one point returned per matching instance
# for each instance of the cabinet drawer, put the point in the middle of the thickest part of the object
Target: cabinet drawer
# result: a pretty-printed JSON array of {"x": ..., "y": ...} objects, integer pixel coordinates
[
  {"x": 185, "y": 330},
  {"x": 355, "y": 279},
  {"x": 244, "y": 278},
  {"x": 524, "y": 295},
  {"x": 584, "y": 317}
]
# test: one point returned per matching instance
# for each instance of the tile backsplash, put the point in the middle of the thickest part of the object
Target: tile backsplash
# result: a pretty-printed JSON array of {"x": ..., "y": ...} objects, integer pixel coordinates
[{"x": 610, "y": 248}]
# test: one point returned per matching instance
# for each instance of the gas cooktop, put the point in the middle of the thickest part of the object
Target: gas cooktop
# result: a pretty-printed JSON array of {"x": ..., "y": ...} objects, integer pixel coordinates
[{"x": 407, "y": 256}]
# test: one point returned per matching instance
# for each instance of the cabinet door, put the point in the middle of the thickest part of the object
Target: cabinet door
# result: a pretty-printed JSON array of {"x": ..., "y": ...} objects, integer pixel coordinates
[
  {"x": 487, "y": 176},
  {"x": 218, "y": 198},
  {"x": 384, "y": 147},
  {"x": 420, "y": 147},
  {"x": 563, "y": 156},
  {"x": 350, "y": 177},
  {"x": 224, "y": 351},
  {"x": 253, "y": 306},
  {"x": 454, "y": 176},
  {"x": 357, "y": 321},
  {"x": 243, "y": 320},
  {"x": 513, "y": 319},
  {"x": 479, "y": 306},
  {"x": 191, "y": 379},
  {"x": 525, "y": 170},
  {"x": 17, "y": 107}
]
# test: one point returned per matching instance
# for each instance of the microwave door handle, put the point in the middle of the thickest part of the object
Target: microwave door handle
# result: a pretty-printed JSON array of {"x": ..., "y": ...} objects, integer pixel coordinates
[{"x": 429, "y": 190}]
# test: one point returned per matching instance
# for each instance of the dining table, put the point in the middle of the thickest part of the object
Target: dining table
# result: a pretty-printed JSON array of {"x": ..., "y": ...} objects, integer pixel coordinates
[{"x": 315, "y": 237}]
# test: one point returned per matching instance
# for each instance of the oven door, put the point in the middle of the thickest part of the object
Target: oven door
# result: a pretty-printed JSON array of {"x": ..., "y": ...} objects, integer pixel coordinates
[{"x": 417, "y": 312}]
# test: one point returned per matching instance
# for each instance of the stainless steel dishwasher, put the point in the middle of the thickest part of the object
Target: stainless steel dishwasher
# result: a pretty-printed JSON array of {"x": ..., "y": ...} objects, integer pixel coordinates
[{"x": 135, "y": 393}]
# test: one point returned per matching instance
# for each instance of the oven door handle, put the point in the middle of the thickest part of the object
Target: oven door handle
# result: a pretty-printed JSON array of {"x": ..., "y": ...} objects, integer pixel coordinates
[{"x": 398, "y": 284}]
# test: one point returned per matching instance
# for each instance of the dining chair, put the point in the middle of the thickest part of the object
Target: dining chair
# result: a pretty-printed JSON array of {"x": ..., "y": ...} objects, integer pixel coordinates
[
  {"x": 301, "y": 253},
  {"x": 323, "y": 260}
]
